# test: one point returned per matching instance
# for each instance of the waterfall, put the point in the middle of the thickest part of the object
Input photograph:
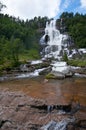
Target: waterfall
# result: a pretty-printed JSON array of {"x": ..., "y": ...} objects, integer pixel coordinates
[
  {"x": 55, "y": 45},
  {"x": 53, "y": 40}
]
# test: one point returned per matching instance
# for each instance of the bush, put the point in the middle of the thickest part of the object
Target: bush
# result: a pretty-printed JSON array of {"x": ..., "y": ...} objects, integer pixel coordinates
[{"x": 65, "y": 57}]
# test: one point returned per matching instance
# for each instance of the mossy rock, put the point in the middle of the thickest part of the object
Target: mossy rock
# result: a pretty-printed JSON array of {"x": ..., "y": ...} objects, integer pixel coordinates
[
  {"x": 57, "y": 75},
  {"x": 50, "y": 76}
]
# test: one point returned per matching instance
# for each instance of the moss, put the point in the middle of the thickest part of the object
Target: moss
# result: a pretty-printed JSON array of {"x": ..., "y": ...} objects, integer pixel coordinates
[{"x": 50, "y": 76}]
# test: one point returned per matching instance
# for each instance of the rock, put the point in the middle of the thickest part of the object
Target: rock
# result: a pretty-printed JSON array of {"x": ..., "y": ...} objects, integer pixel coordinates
[
  {"x": 45, "y": 71},
  {"x": 61, "y": 70},
  {"x": 70, "y": 127},
  {"x": 45, "y": 80},
  {"x": 79, "y": 70},
  {"x": 55, "y": 75},
  {"x": 50, "y": 126},
  {"x": 81, "y": 124},
  {"x": 69, "y": 74},
  {"x": 24, "y": 68},
  {"x": 62, "y": 125}
]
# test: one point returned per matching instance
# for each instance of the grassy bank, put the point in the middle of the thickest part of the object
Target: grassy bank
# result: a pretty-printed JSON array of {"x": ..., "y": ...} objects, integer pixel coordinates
[{"x": 78, "y": 63}]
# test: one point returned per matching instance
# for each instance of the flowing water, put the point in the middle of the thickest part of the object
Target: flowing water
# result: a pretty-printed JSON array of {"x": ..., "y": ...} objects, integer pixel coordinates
[{"x": 54, "y": 41}]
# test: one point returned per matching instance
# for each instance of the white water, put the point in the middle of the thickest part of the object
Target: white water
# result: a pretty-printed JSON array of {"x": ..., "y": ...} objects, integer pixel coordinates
[
  {"x": 58, "y": 43},
  {"x": 53, "y": 33},
  {"x": 55, "y": 42},
  {"x": 55, "y": 46},
  {"x": 60, "y": 67}
]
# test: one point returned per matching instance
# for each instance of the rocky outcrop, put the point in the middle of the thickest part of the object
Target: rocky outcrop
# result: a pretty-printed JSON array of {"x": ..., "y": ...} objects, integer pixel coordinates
[
  {"x": 19, "y": 111},
  {"x": 79, "y": 70},
  {"x": 62, "y": 125}
]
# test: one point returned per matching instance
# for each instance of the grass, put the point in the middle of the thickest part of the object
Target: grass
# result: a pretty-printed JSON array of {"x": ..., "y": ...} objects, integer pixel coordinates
[
  {"x": 29, "y": 55},
  {"x": 25, "y": 56},
  {"x": 79, "y": 63}
]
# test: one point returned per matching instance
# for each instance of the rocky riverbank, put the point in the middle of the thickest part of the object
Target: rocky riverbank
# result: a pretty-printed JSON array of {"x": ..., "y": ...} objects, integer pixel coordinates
[
  {"x": 51, "y": 70},
  {"x": 21, "y": 112}
]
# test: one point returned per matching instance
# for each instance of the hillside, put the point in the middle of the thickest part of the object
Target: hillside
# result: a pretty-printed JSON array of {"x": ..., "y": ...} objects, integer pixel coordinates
[{"x": 19, "y": 39}]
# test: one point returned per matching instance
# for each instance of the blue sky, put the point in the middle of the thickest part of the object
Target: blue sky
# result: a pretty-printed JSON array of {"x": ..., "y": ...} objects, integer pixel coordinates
[
  {"x": 27, "y": 9},
  {"x": 72, "y": 6}
]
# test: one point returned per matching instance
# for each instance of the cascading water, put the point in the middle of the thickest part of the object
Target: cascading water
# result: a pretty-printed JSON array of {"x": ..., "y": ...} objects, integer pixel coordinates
[
  {"x": 54, "y": 46},
  {"x": 53, "y": 40}
]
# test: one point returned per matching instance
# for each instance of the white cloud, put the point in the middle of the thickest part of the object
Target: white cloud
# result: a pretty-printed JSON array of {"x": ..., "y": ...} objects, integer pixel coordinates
[
  {"x": 83, "y": 3},
  {"x": 31, "y": 8},
  {"x": 64, "y": 6}
]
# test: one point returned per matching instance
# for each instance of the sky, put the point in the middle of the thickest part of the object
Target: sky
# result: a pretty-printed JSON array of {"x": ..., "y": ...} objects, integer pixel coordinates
[{"x": 28, "y": 9}]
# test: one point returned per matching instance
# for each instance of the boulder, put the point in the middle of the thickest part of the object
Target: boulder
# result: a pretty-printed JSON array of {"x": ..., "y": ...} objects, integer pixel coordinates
[
  {"x": 79, "y": 70},
  {"x": 55, "y": 75}
]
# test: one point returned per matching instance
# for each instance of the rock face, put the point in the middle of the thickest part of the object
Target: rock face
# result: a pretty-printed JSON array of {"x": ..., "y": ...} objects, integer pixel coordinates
[{"x": 21, "y": 112}]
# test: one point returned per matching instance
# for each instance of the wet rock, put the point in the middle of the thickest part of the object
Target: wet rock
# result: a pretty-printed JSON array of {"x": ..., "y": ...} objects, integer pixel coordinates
[
  {"x": 79, "y": 70},
  {"x": 45, "y": 71},
  {"x": 19, "y": 111},
  {"x": 70, "y": 127},
  {"x": 69, "y": 74},
  {"x": 7, "y": 125},
  {"x": 50, "y": 108},
  {"x": 26, "y": 68},
  {"x": 81, "y": 124},
  {"x": 2, "y": 122},
  {"x": 62, "y": 125},
  {"x": 55, "y": 75},
  {"x": 50, "y": 126}
]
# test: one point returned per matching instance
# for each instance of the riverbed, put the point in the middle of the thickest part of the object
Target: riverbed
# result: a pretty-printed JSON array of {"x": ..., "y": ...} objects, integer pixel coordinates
[
  {"x": 52, "y": 91},
  {"x": 23, "y": 102}
]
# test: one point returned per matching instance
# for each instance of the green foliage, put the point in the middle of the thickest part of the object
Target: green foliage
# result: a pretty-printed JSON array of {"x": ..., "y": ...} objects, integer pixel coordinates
[
  {"x": 29, "y": 55},
  {"x": 79, "y": 63},
  {"x": 19, "y": 40},
  {"x": 75, "y": 25},
  {"x": 65, "y": 57}
]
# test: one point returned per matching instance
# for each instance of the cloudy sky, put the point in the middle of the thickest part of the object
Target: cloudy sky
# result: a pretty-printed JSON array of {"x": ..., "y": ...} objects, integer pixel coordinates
[{"x": 27, "y": 9}]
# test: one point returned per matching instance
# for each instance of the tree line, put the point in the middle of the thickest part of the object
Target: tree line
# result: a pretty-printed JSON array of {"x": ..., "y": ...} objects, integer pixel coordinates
[{"x": 75, "y": 25}]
